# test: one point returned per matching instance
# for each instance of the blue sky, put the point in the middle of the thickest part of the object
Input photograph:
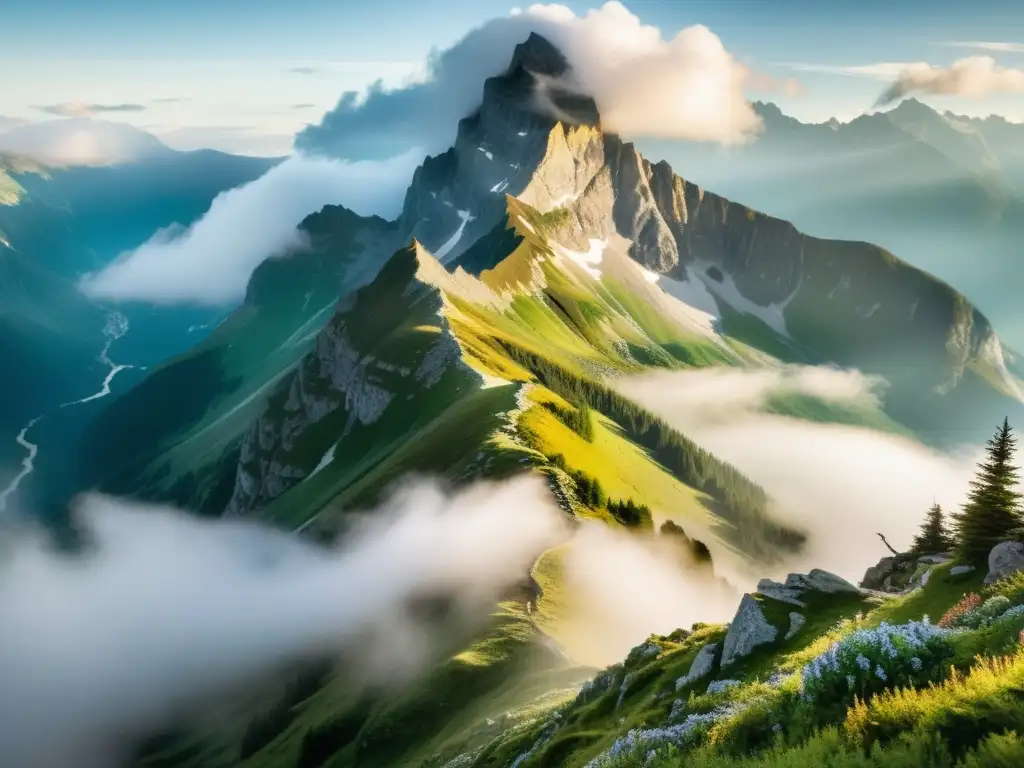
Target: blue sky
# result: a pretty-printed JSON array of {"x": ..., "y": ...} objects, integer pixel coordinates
[{"x": 246, "y": 75}]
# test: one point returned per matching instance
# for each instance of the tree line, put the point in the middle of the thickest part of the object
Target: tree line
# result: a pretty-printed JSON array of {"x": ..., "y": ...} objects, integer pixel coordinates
[{"x": 743, "y": 502}]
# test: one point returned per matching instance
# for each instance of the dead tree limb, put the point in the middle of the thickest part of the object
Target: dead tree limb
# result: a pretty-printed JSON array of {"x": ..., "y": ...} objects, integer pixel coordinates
[{"x": 887, "y": 544}]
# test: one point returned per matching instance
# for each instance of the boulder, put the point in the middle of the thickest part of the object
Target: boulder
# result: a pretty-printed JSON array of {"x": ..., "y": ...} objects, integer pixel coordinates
[
  {"x": 956, "y": 570},
  {"x": 874, "y": 577},
  {"x": 701, "y": 667},
  {"x": 1005, "y": 559},
  {"x": 820, "y": 581},
  {"x": 796, "y": 622},
  {"x": 748, "y": 630},
  {"x": 778, "y": 591}
]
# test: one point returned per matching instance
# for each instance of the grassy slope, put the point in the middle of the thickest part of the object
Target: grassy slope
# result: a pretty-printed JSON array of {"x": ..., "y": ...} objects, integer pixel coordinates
[
  {"x": 590, "y": 327},
  {"x": 590, "y": 727}
]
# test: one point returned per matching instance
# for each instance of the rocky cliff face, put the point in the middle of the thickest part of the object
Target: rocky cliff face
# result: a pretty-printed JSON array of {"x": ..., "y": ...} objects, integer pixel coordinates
[
  {"x": 843, "y": 302},
  {"x": 374, "y": 366}
]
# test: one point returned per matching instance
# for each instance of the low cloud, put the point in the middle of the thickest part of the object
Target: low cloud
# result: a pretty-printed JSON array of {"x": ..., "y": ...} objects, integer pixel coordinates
[
  {"x": 622, "y": 588},
  {"x": 211, "y": 261},
  {"x": 164, "y": 611},
  {"x": 974, "y": 77},
  {"x": 79, "y": 141},
  {"x": 843, "y": 484},
  {"x": 84, "y": 109},
  {"x": 644, "y": 85}
]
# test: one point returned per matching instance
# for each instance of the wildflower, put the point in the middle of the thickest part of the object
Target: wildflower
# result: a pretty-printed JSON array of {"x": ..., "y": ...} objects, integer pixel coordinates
[
  {"x": 880, "y": 673},
  {"x": 850, "y": 681},
  {"x": 915, "y": 663},
  {"x": 717, "y": 686},
  {"x": 863, "y": 662}
]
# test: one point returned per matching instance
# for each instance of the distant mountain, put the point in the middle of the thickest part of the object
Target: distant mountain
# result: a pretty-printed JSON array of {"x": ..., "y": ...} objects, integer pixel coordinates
[
  {"x": 932, "y": 188},
  {"x": 473, "y": 337}
]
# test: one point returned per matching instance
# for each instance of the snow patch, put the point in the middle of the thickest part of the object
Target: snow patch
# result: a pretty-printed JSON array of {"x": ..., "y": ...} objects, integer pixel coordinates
[
  {"x": 521, "y": 133},
  {"x": 501, "y": 186},
  {"x": 487, "y": 154},
  {"x": 445, "y": 249},
  {"x": 696, "y": 302},
  {"x": 772, "y": 315},
  {"x": 527, "y": 225},
  {"x": 874, "y": 308},
  {"x": 326, "y": 459},
  {"x": 569, "y": 197},
  {"x": 992, "y": 352},
  {"x": 842, "y": 285},
  {"x": 589, "y": 260}
]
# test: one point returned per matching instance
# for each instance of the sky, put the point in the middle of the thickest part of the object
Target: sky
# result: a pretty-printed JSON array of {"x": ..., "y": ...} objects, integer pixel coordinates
[{"x": 246, "y": 75}]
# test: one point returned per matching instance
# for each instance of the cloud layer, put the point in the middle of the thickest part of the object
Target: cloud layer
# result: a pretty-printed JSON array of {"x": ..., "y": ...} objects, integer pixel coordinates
[
  {"x": 211, "y": 261},
  {"x": 973, "y": 77},
  {"x": 689, "y": 86},
  {"x": 165, "y": 611},
  {"x": 844, "y": 484}
]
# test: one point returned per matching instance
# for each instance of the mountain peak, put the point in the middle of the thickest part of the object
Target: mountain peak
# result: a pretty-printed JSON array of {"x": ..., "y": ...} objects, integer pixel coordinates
[
  {"x": 539, "y": 56},
  {"x": 913, "y": 109}
]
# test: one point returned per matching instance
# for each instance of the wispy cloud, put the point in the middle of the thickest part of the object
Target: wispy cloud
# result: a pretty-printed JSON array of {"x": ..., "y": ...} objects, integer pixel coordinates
[
  {"x": 974, "y": 77},
  {"x": 987, "y": 45},
  {"x": 303, "y": 106},
  {"x": 84, "y": 109},
  {"x": 304, "y": 70},
  {"x": 786, "y": 86},
  {"x": 171, "y": 100},
  {"x": 885, "y": 70}
]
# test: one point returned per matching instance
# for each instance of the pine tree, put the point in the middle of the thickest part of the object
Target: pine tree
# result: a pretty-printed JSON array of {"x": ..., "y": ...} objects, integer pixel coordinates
[
  {"x": 934, "y": 536},
  {"x": 992, "y": 510}
]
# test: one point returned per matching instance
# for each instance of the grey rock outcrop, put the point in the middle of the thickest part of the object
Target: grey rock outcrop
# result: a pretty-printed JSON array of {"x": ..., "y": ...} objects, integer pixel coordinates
[
  {"x": 786, "y": 594},
  {"x": 875, "y": 575},
  {"x": 1005, "y": 559},
  {"x": 748, "y": 630},
  {"x": 796, "y": 623},
  {"x": 702, "y": 665},
  {"x": 820, "y": 581},
  {"x": 956, "y": 570},
  {"x": 345, "y": 382}
]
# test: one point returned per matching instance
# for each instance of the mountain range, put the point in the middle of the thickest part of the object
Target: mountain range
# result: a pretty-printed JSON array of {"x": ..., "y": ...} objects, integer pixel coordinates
[
  {"x": 940, "y": 190},
  {"x": 479, "y": 335}
]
